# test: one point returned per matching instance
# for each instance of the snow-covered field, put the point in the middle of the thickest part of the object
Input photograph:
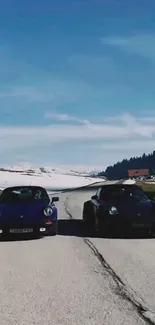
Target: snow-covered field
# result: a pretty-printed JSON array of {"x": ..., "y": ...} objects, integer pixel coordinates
[{"x": 50, "y": 179}]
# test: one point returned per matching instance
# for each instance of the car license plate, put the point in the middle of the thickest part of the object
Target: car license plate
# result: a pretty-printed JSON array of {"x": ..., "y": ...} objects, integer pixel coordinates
[
  {"x": 140, "y": 225},
  {"x": 21, "y": 231}
]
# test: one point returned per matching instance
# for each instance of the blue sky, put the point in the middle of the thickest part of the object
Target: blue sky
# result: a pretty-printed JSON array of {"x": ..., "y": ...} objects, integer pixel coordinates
[{"x": 77, "y": 81}]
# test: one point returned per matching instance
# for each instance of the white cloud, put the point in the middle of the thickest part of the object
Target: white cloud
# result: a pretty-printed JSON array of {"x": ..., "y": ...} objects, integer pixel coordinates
[
  {"x": 137, "y": 127},
  {"x": 56, "y": 91},
  {"x": 65, "y": 118},
  {"x": 31, "y": 94},
  {"x": 119, "y": 118},
  {"x": 129, "y": 146},
  {"x": 25, "y": 137},
  {"x": 143, "y": 45},
  {"x": 140, "y": 125}
]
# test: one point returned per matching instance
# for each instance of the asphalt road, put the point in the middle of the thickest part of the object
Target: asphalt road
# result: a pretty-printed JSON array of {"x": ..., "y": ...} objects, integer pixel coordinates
[
  {"x": 63, "y": 280},
  {"x": 131, "y": 262}
]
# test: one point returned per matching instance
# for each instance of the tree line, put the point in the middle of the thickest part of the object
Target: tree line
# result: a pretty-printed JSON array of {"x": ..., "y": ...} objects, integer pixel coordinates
[{"x": 120, "y": 169}]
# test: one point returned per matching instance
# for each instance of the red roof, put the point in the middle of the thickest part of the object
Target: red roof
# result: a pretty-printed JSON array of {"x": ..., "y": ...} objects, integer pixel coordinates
[{"x": 138, "y": 172}]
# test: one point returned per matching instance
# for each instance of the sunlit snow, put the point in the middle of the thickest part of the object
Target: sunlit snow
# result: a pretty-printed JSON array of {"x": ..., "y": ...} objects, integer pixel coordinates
[{"x": 50, "y": 179}]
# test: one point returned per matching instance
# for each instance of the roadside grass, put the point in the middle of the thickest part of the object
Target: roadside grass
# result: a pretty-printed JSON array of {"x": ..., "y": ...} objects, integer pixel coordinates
[{"x": 149, "y": 189}]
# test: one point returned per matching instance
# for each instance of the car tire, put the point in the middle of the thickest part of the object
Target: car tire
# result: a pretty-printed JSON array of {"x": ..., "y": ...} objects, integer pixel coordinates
[
  {"x": 53, "y": 230},
  {"x": 88, "y": 216},
  {"x": 102, "y": 229}
]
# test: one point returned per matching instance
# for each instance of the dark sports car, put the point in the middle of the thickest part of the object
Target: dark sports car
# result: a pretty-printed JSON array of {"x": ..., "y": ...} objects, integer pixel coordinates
[
  {"x": 27, "y": 210},
  {"x": 119, "y": 207}
]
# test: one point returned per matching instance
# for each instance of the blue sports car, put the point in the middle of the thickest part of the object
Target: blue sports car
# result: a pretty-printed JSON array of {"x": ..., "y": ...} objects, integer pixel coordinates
[{"x": 27, "y": 210}]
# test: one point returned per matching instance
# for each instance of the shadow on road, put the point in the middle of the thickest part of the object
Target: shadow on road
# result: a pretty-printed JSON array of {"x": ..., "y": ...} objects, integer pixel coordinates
[
  {"x": 75, "y": 227},
  {"x": 71, "y": 227},
  {"x": 18, "y": 238}
]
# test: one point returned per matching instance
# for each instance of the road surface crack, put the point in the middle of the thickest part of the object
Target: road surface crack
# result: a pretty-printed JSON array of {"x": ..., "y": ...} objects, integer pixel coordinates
[
  {"x": 122, "y": 290},
  {"x": 144, "y": 312}
]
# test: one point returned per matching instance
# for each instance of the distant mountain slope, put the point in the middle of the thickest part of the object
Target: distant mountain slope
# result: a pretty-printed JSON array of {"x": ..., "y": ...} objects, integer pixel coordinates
[{"x": 31, "y": 170}]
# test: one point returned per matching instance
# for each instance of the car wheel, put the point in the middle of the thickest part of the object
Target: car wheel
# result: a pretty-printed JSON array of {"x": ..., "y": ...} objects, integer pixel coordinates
[
  {"x": 102, "y": 227},
  {"x": 88, "y": 216},
  {"x": 52, "y": 231}
]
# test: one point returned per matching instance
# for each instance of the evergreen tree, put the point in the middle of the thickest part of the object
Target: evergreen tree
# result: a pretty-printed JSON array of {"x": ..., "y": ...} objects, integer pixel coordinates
[{"x": 120, "y": 169}]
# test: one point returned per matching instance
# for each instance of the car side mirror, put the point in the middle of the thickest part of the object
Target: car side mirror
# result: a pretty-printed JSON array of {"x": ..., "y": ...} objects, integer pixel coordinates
[
  {"x": 55, "y": 199},
  {"x": 94, "y": 197}
]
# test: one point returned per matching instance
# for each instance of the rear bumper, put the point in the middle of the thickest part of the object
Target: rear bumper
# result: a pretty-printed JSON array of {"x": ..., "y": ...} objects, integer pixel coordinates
[{"x": 36, "y": 230}]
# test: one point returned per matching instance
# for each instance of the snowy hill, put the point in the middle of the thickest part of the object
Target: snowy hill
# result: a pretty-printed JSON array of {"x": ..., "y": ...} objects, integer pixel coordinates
[
  {"x": 52, "y": 178},
  {"x": 63, "y": 170}
]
